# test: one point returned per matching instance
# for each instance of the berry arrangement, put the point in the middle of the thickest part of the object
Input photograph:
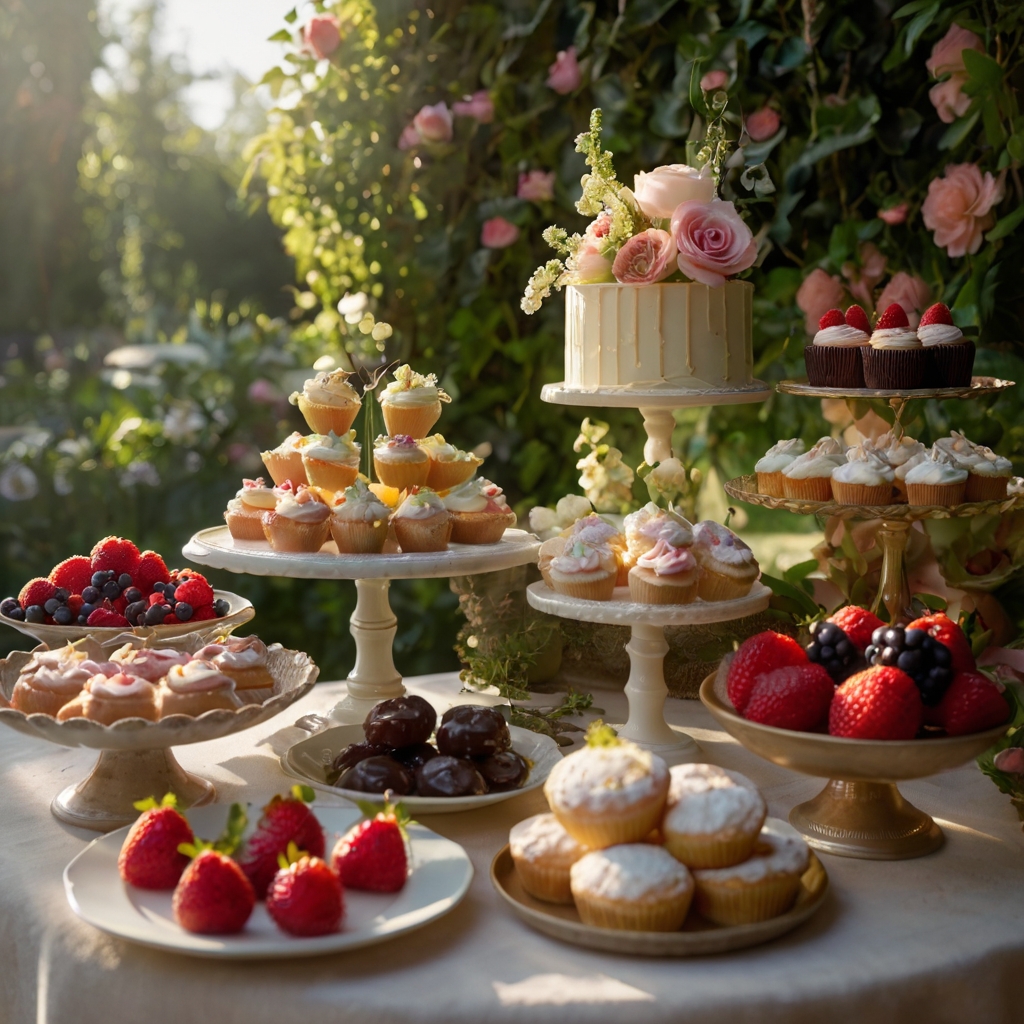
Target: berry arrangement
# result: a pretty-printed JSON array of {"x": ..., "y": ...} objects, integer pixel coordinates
[{"x": 115, "y": 585}]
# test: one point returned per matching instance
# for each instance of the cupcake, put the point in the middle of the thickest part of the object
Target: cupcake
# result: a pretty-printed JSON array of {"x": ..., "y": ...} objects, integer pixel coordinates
[
  {"x": 400, "y": 462},
  {"x": 359, "y": 525},
  {"x": 987, "y": 473},
  {"x": 245, "y": 661},
  {"x": 196, "y": 688},
  {"x": 297, "y": 522},
  {"x": 951, "y": 354},
  {"x": 585, "y": 571},
  {"x": 901, "y": 471},
  {"x": 596, "y": 531},
  {"x": 936, "y": 481},
  {"x": 833, "y": 360},
  {"x": 637, "y": 887},
  {"x": 285, "y": 461},
  {"x": 108, "y": 699},
  {"x": 411, "y": 403},
  {"x": 449, "y": 466},
  {"x": 770, "y": 466},
  {"x": 328, "y": 402},
  {"x": 149, "y": 663},
  {"x": 712, "y": 817},
  {"x": 809, "y": 476},
  {"x": 543, "y": 853},
  {"x": 480, "y": 514},
  {"x": 245, "y": 510},
  {"x": 422, "y": 523},
  {"x": 728, "y": 567},
  {"x": 331, "y": 461},
  {"x": 664, "y": 575},
  {"x": 51, "y": 679},
  {"x": 864, "y": 479},
  {"x": 761, "y": 887},
  {"x": 895, "y": 360},
  {"x": 651, "y": 524},
  {"x": 897, "y": 451},
  {"x": 608, "y": 792}
]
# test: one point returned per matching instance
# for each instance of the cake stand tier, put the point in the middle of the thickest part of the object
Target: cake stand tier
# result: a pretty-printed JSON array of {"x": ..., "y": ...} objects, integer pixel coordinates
[
  {"x": 978, "y": 387},
  {"x": 645, "y": 689}
]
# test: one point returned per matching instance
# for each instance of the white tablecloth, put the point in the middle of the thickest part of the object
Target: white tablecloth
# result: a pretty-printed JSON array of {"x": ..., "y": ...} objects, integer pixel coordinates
[{"x": 940, "y": 939}]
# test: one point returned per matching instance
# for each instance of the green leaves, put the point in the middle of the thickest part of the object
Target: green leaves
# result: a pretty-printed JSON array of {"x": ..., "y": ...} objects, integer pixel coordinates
[{"x": 1006, "y": 225}]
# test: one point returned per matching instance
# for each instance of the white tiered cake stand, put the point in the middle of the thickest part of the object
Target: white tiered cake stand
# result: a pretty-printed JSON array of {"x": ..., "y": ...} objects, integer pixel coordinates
[{"x": 373, "y": 624}]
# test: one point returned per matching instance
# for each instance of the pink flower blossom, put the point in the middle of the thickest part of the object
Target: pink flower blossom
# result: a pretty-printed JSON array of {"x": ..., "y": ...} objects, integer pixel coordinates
[
  {"x": 321, "y": 35},
  {"x": 762, "y": 124},
  {"x": 263, "y": 392},
  {"x": 947, "y": 58},
  {"x": 409, "y": 137},
  {"x": 498, "y": 233},
  {"x": 564, "y": 75},
  {"x": 910, "y": 292},
  {"x": 862, "y": 279},
  {"x": 713, "y": 80},
  {"x": 713, "y": 241},
  {"x": 1010, "y": 760},
  {"x": 600, "y": 225},
  {"x": 949, "y": 99},
  {"x": 479, "y": 106},
  {"x": 893, "y": 215},
  {"x": 434, "y": 123},
  {"x": 645, "y": 258},
  {"x": 818, "y": 293},
  {"x": 536, "y": 186},
  {"x": 959, "y": 207},
  {"x": 590, "y": 265}
]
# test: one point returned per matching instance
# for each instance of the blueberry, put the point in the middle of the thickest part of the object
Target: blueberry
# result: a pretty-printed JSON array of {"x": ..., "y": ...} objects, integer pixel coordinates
[
  {"x": 169, "y": 591},
  {"x": 155, "y": 615},
  {"x": 132, "y": 594},
  {"x": 220, "y": 607},
  {"x": 62, "y": 595},
  {"x": 98, "y": 579},
  {"x": 90, "y": 595},
  {"x": 8, "y": 605},
  {"x": 87, "y": 609},
  {"x": 83, "y": 620},
  {"x": 110, "y": 589},
  {"x": 35, "y": 613},
  {"x": 134, "y": 610},
  {"x": 183, "y": 610},
  {"x": 124, "y": 581},
  {"x": 893, "y": 636},
  {"x": 51, "y": 605},
  {"x": 17, "y": 613},
  {"x": 63, "y": 616}
]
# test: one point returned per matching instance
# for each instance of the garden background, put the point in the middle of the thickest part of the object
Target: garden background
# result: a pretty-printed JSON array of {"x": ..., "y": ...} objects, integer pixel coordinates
[{"x": 164, "y": 287}]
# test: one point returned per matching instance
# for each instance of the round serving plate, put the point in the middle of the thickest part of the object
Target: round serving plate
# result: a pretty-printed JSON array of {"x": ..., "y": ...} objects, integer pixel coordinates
[
  {"x": 979, "y": 386},
  {"x": 697, "y": 937},
  {"x": 440, "y": 877},
  {"x": 309, "y": 759},
  {"x": 652, "y": 396}
]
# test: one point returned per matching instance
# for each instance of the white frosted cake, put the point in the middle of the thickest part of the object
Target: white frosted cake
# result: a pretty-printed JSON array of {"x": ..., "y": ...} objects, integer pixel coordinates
[{"x": 683, "y": 334}]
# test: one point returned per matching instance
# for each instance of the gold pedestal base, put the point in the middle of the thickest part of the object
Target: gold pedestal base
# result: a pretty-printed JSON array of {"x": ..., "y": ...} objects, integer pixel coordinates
[{"x": 866, "y": 819}]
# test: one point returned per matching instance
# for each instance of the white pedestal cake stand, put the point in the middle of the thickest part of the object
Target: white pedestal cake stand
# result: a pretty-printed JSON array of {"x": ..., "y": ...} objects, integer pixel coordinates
[
  {"x": 373, "y": 624},
  {"x": 645, "y": 689}
]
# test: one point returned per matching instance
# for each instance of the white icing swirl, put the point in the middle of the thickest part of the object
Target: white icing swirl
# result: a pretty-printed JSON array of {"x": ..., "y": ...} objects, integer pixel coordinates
[
  {"x": 897, "y": 451},
  {"x": 120, "y": 685},
  {"x": 309, "y": 511},
  {"x": 779, "y": 456},
  {"x": 895, "y": 337},
  {"x": 332, "y": 448},
  {"x": 330, "y": 387},
  {"x": 667, "y": 560},
  {"x": 361, "y": 505},
  {"x": 411, "y": 388},
  {"x": 841, "y": 335},
  {"x": 197, "y": 677},
  {"x": 940, "y": 334},
  {"x": 864, "y": 466},
  {"x": 819, "y": 461},
  {"x": 421, "y": 505},
  {"x": 936, "y": 469}
]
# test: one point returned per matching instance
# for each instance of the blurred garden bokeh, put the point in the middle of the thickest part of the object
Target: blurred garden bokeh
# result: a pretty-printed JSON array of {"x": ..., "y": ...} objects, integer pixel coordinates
[{"x": 164, "y": 286}]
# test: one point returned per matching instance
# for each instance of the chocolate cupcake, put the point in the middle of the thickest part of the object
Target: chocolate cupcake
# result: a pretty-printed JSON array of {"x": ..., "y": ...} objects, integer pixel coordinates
[
  {"x": 833, "y": 360},
  {"x": 951, "y": 355},
  {"x": 895, "y": 360}
]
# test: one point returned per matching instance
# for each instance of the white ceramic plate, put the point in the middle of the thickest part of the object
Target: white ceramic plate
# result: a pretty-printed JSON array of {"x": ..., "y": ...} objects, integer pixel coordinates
[
  {"x": 441, "y": 873},
  {"x": 309, "y": 759}
]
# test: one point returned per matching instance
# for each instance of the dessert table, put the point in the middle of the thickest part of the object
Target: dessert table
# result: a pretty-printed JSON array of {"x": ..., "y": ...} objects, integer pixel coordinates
[{"x": 936, "y": 939}]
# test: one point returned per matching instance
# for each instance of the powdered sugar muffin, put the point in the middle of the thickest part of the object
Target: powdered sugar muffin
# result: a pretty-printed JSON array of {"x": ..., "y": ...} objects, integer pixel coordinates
[
  {"x": 770, "y": 466},
  {"x": 761, "y": 887},
  {"x": 543, "y": 853},
  {"x": 712, "y": 817},
  {"x": 728, "y": 567},
  {"x": 635, "y": 887}
]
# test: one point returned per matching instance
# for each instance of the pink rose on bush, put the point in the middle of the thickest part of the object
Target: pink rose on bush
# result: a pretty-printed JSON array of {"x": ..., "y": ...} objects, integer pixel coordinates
[
  {"x": 498, "y": 233},
  {"x": 536, "y": 186},
  {"x": 712, "y": 240},
  {"x": 479, "y": 106},
  {"x": 645, "y": 258},
  {"x": 947, "y": 58},
  {"x": 1010, "y": 760},
  {"x": 818, "y": 293},
  {"x": 713, "y": 80},
  {"x": 893, "y": 215},
  {"x": 564, "y": 75},
  {"x": 434, "y": 123},
  {"x": 910, "y": 292},
  {"x": 864, "y": 278},
  {"x": 959, "y": 207},
  {"x": 409, "y": 137},
  {"x": 321, "y": 35},
  {"x": 762, "y": 124}
]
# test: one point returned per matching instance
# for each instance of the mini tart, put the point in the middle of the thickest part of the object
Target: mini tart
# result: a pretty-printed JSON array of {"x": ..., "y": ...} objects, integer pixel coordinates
[
  {"x": 108, "y": 699},
  {"x": 43, "y": 689},
  {"x": 712, "y": 816},
  {"x": 728, "y": 568},
  {"x": 400, "y": 462},
  {"x": 636, "y": 887},
  {"x": 285, "y": 461},
  {"x": 449, "y": 466},
  {"x": 243, "y": 660},
  {"x": 328, "y": 402},
  {"x": 422, "y": 523},
  {"x": 195, "y": 688},
  {"x": 543, "y": 853},
  {"x": 761, "y": 887},
  {"x": 149, "y": 663}
]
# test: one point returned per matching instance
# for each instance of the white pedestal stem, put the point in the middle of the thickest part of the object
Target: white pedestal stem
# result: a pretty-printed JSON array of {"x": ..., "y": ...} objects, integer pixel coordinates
[
  {"x": 659, "y": 424},
  {"x": 373, "y": 625}
]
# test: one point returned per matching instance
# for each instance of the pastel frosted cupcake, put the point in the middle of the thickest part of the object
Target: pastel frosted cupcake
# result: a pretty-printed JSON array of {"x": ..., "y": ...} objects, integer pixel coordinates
[
  {"x": 245, "y": 660},
  {"x": 479, "y": 511},
  {"x": 422, "y": 523},
  {"x": 285, "y": 461},
  {"x": 650, "y": 524},
  {"x": 297, "y": 523},
  {"x": 864, "y": 479},
  {"x": 952, "y": 355},
  {"x": 411, "y": 403},
  {"x": 935, "y": 480},
  {"x": 149, "y": 663},
  {"x": 449, "y": 466},
  {"x": 770, "y": 466},
  {"x": 728, "y": 567},
  {"x": 596, "y": 531},
  {"x": 544, "y": 853},
  {"x": 664, "y": 575},
  {"x": 51, "y": 679},
  {"x": 585, "y": 571},
  {"x": 331, "y": 461},
  {"x": 359, "y": 525},
  {"x": 809, "y": 476},
  {"x": 244, "y": 514},
  {"x": 895, "y": 360},
  {"x": 194, "y": 689},
  {"x": 328, "y": 402},
  {"x": 400, "y": 462},
  {"x": 833, "y": 359},
  {"x": 108, "y": 699}
]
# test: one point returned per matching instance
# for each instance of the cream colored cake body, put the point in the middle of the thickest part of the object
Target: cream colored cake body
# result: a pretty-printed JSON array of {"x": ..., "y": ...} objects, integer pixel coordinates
[{"x": 685, "y": 334}]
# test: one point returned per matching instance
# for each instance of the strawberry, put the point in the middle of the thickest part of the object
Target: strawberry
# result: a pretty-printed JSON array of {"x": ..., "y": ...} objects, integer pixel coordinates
[
  {"x": 305, "y": 896},
  {"x": 73, "y": 574},
  {"x": 115, "y": 553},
  {"x": 150, "y": 858},
  {"x": 881, "y": 703},
  {"x": 105, "y": 617},
  {"x": 796, "y": 697},
  {"x": 205, "y": 612},
  {"x": 833, "y": 318},
  {"x": 213, "y": 896},
  {"x": 894, "y": 316},
  {"x": 937, "y": 314},
  {"x": 196, "y": 591},
  {"x": 286, "y": 819},
  {"x": 857, "y": 623},
  {"x": 972, "y": 704},
  {"x": 372, "y": 855},
  {"x": 757, "y": 655},
  {"x": 950, "y": 635},
  {"x": 157, "y": 598},
  {"x": 151, "y": 569},
  {"x": 37, "y": 591},
  {"x": 856, "y": 317}
]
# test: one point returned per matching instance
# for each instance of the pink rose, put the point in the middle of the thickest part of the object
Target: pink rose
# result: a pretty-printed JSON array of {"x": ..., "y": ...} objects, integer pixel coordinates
[
  {"x": 564, "y": 75},
  {"x": 600, "y": 225},
  {"x": 1010, "y": 760},
  {"x": 409, "y": 137},
  {"x": 479, "y": 106},
  {"x": 434, "y": 124},
  {"x": 645, "y": 258},
  {"x": 536, "y": 186},
  {"x": 948, "y": 59},
  {"x": 713, "y": 241},
  {"x": 959, "y": 207},
  {"x": 949, "y": 99},
  {"x": 818, "y": 293},
  {"x": 762, "y": 124},
  {"x": 862, "y": 279},
  {"x": 910, "y": 292},
  {"x": 713, "y": 80},
  {"x": 893, "y": 215},
  {"x": 498, "y": 233},
  {"x": 321, "y": 35},
  {"x": 590, "y": 265},
  {"x": 660, "y": 191}
]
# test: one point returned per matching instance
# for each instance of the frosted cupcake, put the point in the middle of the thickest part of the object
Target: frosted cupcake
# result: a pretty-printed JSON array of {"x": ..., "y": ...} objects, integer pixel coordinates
[
  {"x": 895, "y": 359},
  {"x": 770, "y": 466},
  {"x": 480, "y": 514},
  {"x": 650, "y": 524},
  {"x": 400, "y": 462},
  {"x": 864, "y": 479},
  {"x": 987, "y": 473},
  {"x": 359, "y": 525},
  {"x": 411, "y": 403},
  {"x": 833, "y": 359},
  {"x": 544, "y": 853},
  {"x": 108, "y": 699},
  {"x": 194, "y": 689},
  {"x": 149, "y": 663},
  {"x": 664, "y": 575},
  {"x": 595, "y": 531},
  {"x": 952, "y": 355},
  {"x": 897, "y": 451},
  {"x": 331, "y": 461},
  {"x": 422, "y": 523},
  {"x": 449, "y": 466},
  {"x": 285, "y": 461},
  {"x": 728, "y": 567},
  {"x": 245, "y": 510},
  {"x": 583, "y": 571},
  {"x": 936, "y": 481},
  {"x": 245, "y": 660},
  {"x": 328, "y": 402},
  {"x": 809, "y": 476},
  {"x": 297, "y": 522},
  {"x": 901, "y": 471}
]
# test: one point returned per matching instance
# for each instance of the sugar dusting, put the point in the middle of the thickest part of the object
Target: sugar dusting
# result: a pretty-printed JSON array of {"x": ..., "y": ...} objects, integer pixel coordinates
[
  {"x": 775, "y": 854},
  {"x": 704, "y": 799},
  {"x": 543, "y": 837},
  {"x": 631, "y": 872},
  {"x": 605, "y": 779}
]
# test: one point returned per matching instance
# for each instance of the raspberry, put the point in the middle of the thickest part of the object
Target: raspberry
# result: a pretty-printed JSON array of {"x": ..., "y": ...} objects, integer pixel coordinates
[
  {"x": 37, "y": 591},
  {"x": 880, "y": 703},
  {"x": 894, "y": 316},
  {"x": 203, "y": 613},
  {"x": 151, "y": 569},
  {"x": 857, "y": 623},
  {"x": 950, "y": 635},
  {"x": 115, "y": 553},
  {"x": 856, "y": 317},
  {"x": 796, "y": 697},
  {"x": 972, "y": 704},
  {"x": 195, "y": 592},
  {"x": 937, "y": 314},
  {"x": 106, "y": 617},
  {"x": 756, "y": 656},
  {"x": 170, "y": 619},
  {"x": 157, "y": 598},
  {"x": 833, "y": 318},
  {"x": 73, "y": 574}
]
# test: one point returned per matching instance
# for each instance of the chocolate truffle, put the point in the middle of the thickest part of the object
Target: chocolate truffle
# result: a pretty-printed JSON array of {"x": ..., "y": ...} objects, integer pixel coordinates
[
  {"x": 400, "y": 722},
  {"x": 472, "y": 731},
  {"x": 449, "y": 776},
  {"x": 377, "y": 775}
]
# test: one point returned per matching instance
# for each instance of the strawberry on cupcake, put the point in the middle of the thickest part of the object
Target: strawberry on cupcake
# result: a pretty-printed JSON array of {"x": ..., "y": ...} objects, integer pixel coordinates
[
  {"x": 952, "y": 355},
  {"x": 895, "y": 358},
  {"x": 833, "y": 358}
]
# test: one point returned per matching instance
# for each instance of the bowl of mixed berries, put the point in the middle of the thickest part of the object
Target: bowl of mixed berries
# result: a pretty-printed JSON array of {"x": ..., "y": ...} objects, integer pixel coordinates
[{"x": 117, "y": 589}]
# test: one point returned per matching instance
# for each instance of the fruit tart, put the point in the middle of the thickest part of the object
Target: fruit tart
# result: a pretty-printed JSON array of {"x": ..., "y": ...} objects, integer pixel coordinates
[
  {"x": 298, "y": 522},
  {"x": 411, "y": 403},
  {"x": 285, "y": 461},
  {"x": 449, "y": 466},
  {"x": 51, "y": 679},
  {"x": 328, "y": 402},
  {"x": 400, "y": 462},
  {"x": 480, "y": 514},
  {"x": 422, "y": 523},
  {"x": 331, "y": 461},
  {"x": 359, "y": 524},
  {"x": 245, "y": 510}
]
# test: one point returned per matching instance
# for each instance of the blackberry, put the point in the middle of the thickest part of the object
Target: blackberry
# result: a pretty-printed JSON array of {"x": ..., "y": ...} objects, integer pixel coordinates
[
  {"x": 132, "y": 594},
  {"x": 8, "y": 605},
  {"x": 927, "y": 661},
  {"x": 834, "y": 651}
]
